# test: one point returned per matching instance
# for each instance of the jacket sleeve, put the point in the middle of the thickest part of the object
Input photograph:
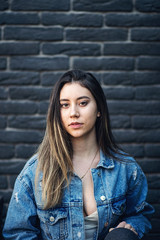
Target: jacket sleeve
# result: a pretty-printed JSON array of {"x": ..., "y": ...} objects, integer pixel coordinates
[
  {"x": 21, "y": 220},
  {"x": 138, "y": 211}
]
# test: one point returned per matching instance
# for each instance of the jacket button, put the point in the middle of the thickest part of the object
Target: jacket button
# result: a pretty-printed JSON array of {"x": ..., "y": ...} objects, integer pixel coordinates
[
  {"x": 102, "y": 198},
  {"x": 51, "y": 219}
]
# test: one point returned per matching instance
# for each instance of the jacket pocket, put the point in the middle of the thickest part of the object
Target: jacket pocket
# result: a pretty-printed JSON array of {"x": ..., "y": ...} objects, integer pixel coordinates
[
  {"x": 118, "y": 209},
  {"x": 54, "y": 223}
]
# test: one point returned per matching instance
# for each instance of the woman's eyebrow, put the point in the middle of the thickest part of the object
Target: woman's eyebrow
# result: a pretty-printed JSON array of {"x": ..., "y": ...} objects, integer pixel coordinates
[
  {"x": 64, "y": 99},
  {"x": 82, "y": 97}
]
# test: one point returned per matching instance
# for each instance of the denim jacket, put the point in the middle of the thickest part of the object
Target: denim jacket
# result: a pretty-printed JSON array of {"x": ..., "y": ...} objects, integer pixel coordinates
[{"x": 120, "y": 190}]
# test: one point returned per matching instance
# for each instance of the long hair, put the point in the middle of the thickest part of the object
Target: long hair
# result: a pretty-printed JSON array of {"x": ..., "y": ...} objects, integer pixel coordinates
[{"x": 55, "y": 152}]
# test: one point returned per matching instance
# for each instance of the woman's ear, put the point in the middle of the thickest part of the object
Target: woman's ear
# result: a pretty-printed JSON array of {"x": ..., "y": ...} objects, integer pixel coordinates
[{"x": 98, "y": 114}]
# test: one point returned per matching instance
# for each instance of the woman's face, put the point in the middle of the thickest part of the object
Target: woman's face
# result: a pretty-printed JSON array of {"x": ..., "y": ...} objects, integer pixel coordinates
[{"x": 78, "y": 110}]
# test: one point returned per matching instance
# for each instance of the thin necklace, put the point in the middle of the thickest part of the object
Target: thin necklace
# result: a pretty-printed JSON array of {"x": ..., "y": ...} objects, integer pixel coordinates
[{"x": 89, "y": 166}]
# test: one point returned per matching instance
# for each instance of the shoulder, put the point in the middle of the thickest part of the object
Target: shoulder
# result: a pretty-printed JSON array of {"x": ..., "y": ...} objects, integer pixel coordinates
[
  {"x": 119, "y": 159},
  {"x": 27, "y": 175},
  {"x": 127, "y": 162},
  {"x": 122, "y": 157},
  {"x": 133, "y": 170},
  {"x": 30, "y": 166}
]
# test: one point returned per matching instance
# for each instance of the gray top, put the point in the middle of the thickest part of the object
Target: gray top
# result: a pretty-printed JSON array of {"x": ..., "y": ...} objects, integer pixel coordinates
[{"x": 91, "y": 224}]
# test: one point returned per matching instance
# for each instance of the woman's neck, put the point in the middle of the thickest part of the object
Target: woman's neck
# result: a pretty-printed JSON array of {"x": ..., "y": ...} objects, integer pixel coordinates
[
  {"x": 85, "y": 156},
  {"x": 83, "y": 148}
]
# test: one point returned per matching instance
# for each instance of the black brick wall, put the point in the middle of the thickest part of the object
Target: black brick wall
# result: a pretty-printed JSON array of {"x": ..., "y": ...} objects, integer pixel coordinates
[{"x": 119, "y": 41}]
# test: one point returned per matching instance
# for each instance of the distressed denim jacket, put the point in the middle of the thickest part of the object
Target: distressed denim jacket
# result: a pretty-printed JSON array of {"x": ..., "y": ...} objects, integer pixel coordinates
[{"x": 120, "y": 190}]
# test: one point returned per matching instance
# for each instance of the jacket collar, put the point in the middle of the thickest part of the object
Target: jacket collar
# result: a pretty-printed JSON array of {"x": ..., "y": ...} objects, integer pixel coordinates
[{"x": 106, "y": 162}]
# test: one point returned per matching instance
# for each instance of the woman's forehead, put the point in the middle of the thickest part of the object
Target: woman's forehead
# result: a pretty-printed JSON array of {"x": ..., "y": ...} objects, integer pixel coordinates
[{"x": 70, "y": 90}]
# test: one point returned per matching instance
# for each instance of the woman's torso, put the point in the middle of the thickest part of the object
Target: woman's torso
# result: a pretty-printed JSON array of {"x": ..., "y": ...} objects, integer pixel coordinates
[{"x": 110, "y": 185}]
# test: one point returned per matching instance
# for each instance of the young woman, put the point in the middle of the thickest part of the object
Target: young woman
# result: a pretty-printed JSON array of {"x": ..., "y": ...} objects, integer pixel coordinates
[{"x": 79, "y": 185}]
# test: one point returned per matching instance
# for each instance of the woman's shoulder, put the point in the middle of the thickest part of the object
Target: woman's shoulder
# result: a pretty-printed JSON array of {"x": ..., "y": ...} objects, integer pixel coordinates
[
  {"x": 123, "y": 157},
  {"x": 130, "y": 165},
  {"x": 125, "y": 160},
  {"x": 29, "y": 169}
]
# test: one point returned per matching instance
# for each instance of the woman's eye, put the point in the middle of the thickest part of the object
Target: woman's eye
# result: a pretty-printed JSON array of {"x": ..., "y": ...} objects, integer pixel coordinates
[
  {"x": 84, "y": 103},
  {"x": 64, "y": 105}
]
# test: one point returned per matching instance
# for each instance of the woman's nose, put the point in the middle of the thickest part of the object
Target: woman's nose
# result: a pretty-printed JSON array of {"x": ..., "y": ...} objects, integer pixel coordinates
[{"x": 74, "y": 112}]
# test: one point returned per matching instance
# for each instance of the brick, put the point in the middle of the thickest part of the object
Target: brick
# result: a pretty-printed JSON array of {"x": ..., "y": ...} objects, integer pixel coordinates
[
  {"x": 96, "y": 34},
  {"x": 50, "y": 78},
  {"x": 6, "y": 195},
  {"x": 20, "y": 136},
  {"x": 39, "y": 63},
  {"x": 135, "y": 150},
  {"x": 119, "y": 92},
  {"x": 120, "y": 121},
  {"x": 72, "y": 20},
  {"x": 116, "y": 78},
  {"x": 33, "y": 33},
  {"x": 19, "y": 78},
  {"x": 3, "y": 93},
  {"x": 19, "y": 48},
  {"x": 152, "y": 150},
  {"x": 4, "y": 211},
  {"x": 137, "y": 136},
  {"x": 19, "y": 18},
  {"x": 40, "y": 5},
  {"x": 3, "y": 122},
  {"x": 72, "y": 49},
  {"x": 12, "y": 180},
  {"x": 43, "y": 107},
  {"x": 155, "y": 222},
  {"x": 4, "y": 5},
  {"x": 134, "y": 107},
  {"x": 157, "y": 211},
  {"x": 3, "y": 182},
  {"x": 153, "y": 196},
  {"x": 153, "y": 181},
  {"x": 25, "y": 151},
  {"x": 15, "y": 107},
  {"x": 27, "y": 122},
  {"x": 130, "y": 78},
  {"x": 147, "y": 5},
  {"x": 145, "y": 78},
  {"x": 3, "y": 63},
  {"x": 149, "y": 63},
  {"x": 11, "y": 167},
  {"x": 147, "y": 92},
  {"x": 146, "y": 122},
  {"x": 132, "y": 20},
  {"x": 145, "y": 34},
  {"x": 145, "y": 136},
  {"x": 150, "y": 165},
  {"x": 104, "y": 63},
  {"x": 29, "y": 93},
  {"x": 102, "y": 6},
  {"x": 7, "y": 151},
  {"x": 131, "y": 49}
]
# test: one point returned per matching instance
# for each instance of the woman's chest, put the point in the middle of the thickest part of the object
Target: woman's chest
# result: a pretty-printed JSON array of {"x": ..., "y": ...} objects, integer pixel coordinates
[{"x": 89, "y": 202}]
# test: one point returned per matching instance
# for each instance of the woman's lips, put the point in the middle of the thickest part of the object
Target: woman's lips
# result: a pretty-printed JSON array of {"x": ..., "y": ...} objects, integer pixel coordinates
[{"x": 75, "y": 125}]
